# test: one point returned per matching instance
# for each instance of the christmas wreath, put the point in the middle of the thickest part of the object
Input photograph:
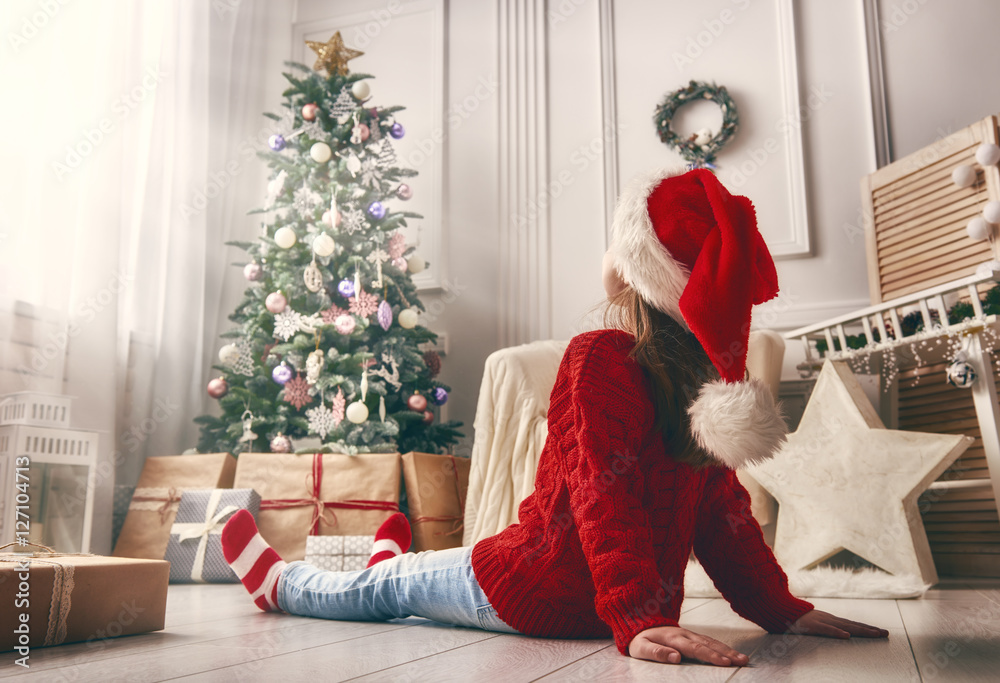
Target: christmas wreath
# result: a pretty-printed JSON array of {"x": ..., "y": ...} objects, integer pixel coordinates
[{"x": 700, "y": 148}]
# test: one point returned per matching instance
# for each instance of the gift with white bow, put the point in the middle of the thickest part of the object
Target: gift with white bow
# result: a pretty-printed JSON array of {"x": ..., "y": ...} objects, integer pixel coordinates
[{"x": 195, "y": 547}]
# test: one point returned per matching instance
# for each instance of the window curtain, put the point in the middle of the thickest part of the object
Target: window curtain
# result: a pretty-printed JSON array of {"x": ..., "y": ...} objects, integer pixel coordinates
[{"x": 130, "y": 132}]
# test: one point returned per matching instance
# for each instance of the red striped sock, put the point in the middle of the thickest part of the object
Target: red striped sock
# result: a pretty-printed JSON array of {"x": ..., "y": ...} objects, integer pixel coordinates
[
  {"x": 392, "y": 538},
  {"x": 253, "y": 560}
]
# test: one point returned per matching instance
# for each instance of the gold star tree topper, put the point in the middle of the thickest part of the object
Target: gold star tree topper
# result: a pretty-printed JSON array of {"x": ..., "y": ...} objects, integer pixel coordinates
[{"x": 332, "y": 55}]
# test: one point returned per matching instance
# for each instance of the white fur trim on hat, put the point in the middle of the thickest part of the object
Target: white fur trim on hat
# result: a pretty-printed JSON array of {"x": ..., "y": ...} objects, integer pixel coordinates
[
  {"x": 738, "y": 423},
  {"x": 639, "y": 256}
]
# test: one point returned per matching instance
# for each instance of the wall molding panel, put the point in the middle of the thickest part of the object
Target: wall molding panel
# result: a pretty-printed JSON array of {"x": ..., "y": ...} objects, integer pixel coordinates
[{"x": 525, "y": 276}]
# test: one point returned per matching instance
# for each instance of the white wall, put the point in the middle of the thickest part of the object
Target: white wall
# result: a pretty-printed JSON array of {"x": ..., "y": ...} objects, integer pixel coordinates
[{"x": 597, "y": 102}]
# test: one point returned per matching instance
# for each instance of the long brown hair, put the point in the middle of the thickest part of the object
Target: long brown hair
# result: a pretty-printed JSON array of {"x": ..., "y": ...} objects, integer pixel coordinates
[{"x": 675, "y": 363}]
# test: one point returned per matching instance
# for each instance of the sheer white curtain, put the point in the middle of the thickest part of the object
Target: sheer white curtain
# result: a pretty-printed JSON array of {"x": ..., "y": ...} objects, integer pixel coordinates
[{"x": 122, "y": 122}]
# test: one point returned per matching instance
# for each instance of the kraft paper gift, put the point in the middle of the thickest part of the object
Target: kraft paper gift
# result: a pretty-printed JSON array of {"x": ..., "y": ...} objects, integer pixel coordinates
[
  {"x": 195, "y": 547},
  {"x": 146, "y": 531},
  {"x": 78, "y": 597},
  {"x": 339, "y": 553},
  {"x": 319, "y": 495},
  {"x": 436, "y": 488}
]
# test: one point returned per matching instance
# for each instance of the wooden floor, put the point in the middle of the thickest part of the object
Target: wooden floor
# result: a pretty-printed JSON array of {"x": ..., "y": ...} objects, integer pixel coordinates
[{"x": 213, "y": 633}]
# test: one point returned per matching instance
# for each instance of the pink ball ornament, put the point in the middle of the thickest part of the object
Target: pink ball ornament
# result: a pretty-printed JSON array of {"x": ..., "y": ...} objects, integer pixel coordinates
[
  {"x": 345, "y": 324},
  {"x": 417, "y": 403},
  {"x": 364, "y": 131},
  {"x": 218, "y": 387},
  {"x": 330, "y": 219},
  {"x": 310, "y": 111},
  {"x": 428, "y": 417},
  {"x": 252, "y": 271},
  {"x": 275, "y": 302},
  {"x": 404, "y": 192},
  {"x": 400, "y": 263},
  {"x": 281, "y": 444}
]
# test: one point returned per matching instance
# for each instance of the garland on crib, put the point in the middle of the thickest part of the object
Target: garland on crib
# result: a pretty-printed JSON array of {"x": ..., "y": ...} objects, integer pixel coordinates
[{"x": 914, "y": 322}]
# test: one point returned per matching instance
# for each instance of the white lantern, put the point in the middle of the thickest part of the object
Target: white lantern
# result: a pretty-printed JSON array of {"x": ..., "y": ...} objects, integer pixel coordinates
[{"x": 285, "y": 237}]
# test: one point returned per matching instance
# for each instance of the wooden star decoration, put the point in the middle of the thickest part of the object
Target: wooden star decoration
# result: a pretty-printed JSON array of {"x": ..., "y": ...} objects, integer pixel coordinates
[
  {"x": 332, "y": 55},
  {"x": 845, "y": 482}
]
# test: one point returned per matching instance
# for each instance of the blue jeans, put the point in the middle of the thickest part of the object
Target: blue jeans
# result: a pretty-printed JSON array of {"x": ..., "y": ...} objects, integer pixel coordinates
[{"x": 435, "y": 584}]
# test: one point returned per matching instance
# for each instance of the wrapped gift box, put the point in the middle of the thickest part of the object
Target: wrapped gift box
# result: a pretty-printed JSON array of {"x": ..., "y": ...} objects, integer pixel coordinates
[
  {"x": 154, "y": 504},
  {"x": 319, "y": 495},
  {"x": 436, "y": 488},
  {"x": 195, "y": 547},
  {"x": 339, "y": 553},
  {"x": 76, "y": 598}
]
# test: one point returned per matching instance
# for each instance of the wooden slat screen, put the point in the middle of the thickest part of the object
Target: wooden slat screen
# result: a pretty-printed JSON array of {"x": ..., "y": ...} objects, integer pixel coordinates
[
  {"x": 962, "y": 525},
  {"x": 915, "y": 216}
]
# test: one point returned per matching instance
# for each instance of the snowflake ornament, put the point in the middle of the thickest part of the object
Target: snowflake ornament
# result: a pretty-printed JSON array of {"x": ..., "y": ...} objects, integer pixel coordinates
[
  {"x": 371, "y": 173},
  {"x": 363, "y": 304},
  {"x": 331, "y": 314},
  {"x": 321, "y": 420},
  {"x": 353, "y": 221},
  {"x": 306, "y": 201},
  {"x": 397, "y": 245},
  {"x": 286, "y": 324},
  {"x": 297, "y": 392}
]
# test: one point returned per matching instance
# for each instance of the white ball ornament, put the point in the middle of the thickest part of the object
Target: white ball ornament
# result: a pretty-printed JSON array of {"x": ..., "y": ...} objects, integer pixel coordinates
[
  {"x": 988, "y": 154},
  {"x": 963, "y": 175},
  {"x": 357, "y": 412},
  {"x": 991, "y": 212},
  {"x": 416, "y": 263},
  {"x": 229, "y": 354},
  {"x": 323, "y": 244},
  {"x": 285, "y": 237},
  {"x": 320, "y": 152},
  {"x": 978, "y": 229},
  {"x": 407, "y": 319},
  {"x": 360, "y": 90}
]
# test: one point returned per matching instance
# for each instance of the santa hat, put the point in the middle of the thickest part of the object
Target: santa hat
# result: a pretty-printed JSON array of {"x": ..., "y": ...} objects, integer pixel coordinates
[{"x": 692, "y": 250}]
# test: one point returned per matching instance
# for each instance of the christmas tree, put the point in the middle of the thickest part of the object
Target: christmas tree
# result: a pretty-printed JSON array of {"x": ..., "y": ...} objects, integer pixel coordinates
[{"x": 328, "y": 337}]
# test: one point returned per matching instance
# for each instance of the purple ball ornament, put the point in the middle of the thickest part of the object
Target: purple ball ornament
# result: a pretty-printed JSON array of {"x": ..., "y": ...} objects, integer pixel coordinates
[
  {"x": 439, "y": 396},
  {"x": 276, "y": 142},
  {"x": 281, "y": 374},
  {"x": 404, "y": 192},
  {"x": 384, "y": 314},
  {"x": 376, "y": 210},
  {"x": 252, "y": 271},
  {"x": 346, "y": 288},
  {"x": 397, "y": 131}
]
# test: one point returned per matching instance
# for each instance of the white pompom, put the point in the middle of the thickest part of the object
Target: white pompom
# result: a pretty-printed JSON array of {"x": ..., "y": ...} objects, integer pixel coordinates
[
  {"x": 978, "y": 229},
  {"x": 963, "y": 176},
  {"x": 285, "y": 237},
  {"x": 991, "y": 212},
  {"x": 737, "y": 424},
  {"x": 988, "y": 154}
]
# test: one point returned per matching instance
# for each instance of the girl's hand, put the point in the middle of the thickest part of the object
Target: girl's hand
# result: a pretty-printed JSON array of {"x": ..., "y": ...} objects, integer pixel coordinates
[
  {"x": 816, "y": 623},
  {"x": 668, "y": 644}
]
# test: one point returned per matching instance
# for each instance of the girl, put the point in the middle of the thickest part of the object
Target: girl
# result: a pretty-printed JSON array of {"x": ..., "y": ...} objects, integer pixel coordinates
[{"x": 646, "y": 424}]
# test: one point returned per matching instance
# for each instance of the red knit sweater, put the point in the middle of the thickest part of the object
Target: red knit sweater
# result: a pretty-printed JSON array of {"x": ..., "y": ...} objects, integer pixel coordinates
[{"x": 601, "y": 544}]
